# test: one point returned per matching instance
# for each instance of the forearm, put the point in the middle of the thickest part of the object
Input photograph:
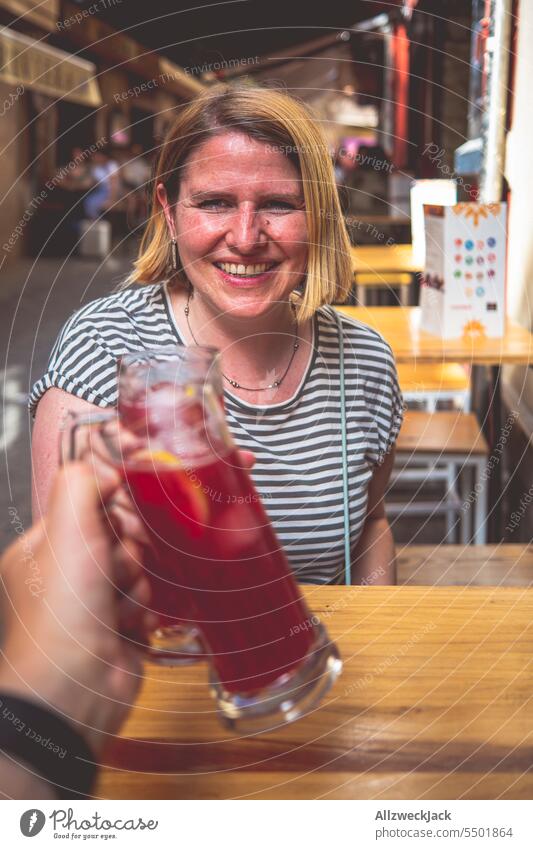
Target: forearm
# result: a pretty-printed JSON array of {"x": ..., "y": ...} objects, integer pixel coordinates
[{"x": 374, "y": 559}]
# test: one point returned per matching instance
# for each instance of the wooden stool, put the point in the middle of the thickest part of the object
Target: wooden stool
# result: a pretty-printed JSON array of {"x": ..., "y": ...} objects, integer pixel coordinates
[
  {"x": 382, "y": 280},
  {"x": 449, "y": 447},
  {"x": 429, "y": 383}
]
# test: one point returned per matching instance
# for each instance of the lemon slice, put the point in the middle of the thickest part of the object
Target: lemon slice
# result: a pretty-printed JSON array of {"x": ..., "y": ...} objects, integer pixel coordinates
[
  {"x": 198, "y": 506},
  {"x": 192, "y": 502},
  {"x": 156, "y": 458}
]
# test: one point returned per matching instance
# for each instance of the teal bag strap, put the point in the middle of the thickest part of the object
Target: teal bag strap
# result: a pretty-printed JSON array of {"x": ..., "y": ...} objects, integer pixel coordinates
[{"x": 345, "y": 487}]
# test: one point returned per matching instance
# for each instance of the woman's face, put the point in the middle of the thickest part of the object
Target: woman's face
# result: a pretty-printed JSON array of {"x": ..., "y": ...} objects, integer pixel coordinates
[{"x": 240, "y": 224}]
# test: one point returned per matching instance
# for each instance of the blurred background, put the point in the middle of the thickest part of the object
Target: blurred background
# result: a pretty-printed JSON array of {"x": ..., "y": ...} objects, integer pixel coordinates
[{"x": 386, "y": 80}]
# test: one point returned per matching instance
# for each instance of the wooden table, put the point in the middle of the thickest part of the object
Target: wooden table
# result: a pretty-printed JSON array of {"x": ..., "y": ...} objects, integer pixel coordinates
[
  {"x": 401, "y": 328},
  {"x": 384, "y": 258},
  {"x": 434, "y": 703}
]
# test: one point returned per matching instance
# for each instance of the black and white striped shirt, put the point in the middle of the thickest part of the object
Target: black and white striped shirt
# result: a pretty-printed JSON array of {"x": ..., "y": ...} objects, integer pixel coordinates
[{"x": 297, "y": 443}]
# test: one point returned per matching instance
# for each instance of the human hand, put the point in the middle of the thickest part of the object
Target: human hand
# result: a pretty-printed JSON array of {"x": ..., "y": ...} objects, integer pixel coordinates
[
  {"x": 72, "y": 630},
  {"x": 90, "y": 445}
]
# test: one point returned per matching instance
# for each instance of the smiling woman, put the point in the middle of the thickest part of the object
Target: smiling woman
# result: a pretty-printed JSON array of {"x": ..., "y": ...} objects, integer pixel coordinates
[
  {"x": 244, "y": 250},
  {"x": 274, "y": 144}
]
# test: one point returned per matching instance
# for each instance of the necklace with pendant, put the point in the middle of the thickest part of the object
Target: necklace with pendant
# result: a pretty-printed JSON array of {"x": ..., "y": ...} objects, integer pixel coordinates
[{"x": 276, "y": 383}]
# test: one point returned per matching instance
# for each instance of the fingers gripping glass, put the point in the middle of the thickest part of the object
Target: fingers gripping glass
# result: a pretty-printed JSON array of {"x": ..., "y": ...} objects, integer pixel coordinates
[{"x": 100, "y": 438}]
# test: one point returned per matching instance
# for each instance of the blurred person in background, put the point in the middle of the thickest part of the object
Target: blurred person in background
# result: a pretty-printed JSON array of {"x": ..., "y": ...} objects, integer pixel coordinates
[
  {"x": 76, "y": 182},
  {"x": 135, "y": 174},
  {"x": 106, "y": 191},
  {"x": 78, "y": 178}
]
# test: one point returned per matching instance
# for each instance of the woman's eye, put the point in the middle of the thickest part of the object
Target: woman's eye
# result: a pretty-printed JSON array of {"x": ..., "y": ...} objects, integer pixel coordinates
[
  {"x": 282, "y": 205},
  {"x": 214, "y": 203}
]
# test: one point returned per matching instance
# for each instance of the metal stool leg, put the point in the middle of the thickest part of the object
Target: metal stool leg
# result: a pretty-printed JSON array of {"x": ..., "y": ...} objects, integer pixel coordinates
[
  {"x": 480, "y": 511},
  {"x": 405, "y": 296},
  {"x": 450, "y": 512},
  {"x": 467, "y": 513}
]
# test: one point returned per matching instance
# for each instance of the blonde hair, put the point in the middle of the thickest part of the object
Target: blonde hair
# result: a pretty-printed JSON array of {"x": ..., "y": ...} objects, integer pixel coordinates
[{"x": 270, "y": 116}]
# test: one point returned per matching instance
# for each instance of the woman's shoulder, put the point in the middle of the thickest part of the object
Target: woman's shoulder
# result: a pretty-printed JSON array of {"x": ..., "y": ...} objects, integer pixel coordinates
[
  {"x": 119, "y": 310},
  {"x": 130, "y": 299},
  {"x": 84, "y": 358}
]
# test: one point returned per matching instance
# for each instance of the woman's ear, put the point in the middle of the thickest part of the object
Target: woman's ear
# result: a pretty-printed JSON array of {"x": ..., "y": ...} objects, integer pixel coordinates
[{"x": 162, "y": 197}]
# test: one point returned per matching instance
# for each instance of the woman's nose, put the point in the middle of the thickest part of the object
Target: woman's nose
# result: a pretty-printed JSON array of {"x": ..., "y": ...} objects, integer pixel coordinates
[{"x": 245, "y": 229}]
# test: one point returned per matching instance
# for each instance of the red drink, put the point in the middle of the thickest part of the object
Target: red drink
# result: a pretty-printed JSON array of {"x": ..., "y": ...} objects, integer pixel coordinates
[
  {"x": 144, "y": 479},
  {"x": 211, "y": 533},
  {"x": 214, "y": 560}
]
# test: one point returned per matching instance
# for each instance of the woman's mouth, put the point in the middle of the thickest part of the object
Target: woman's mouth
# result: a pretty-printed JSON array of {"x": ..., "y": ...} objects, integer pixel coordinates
[{"x": 245, "y": 274}]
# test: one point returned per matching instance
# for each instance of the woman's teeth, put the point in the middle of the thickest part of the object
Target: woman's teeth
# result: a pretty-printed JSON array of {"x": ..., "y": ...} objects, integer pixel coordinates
[{"x": 244, "y": 270}]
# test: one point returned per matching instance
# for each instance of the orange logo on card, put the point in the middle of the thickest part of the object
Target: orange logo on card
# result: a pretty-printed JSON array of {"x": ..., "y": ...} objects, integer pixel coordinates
[
  {"x": 476, "y": 211},
  {"x": 474, "y": 329}
]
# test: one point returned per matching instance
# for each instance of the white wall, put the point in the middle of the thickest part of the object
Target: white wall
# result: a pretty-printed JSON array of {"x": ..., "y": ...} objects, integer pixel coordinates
[{"x": 519, "y": 173}]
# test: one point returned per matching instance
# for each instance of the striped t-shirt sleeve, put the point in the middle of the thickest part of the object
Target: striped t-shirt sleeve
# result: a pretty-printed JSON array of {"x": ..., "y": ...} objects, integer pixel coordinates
[{"x": 82, "y": 363}]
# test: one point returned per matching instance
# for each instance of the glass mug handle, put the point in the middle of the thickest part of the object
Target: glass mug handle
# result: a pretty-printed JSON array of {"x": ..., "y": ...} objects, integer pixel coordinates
[{"x": 68, "y": 445}]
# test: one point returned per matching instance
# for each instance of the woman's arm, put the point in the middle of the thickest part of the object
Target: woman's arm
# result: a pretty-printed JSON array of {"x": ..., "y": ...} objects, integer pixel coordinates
[
  {"x": 51, "y": 416},
  {"x": 374, "y": 557}
]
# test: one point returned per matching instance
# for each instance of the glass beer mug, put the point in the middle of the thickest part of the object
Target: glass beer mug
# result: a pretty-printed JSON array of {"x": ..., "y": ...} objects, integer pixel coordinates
[{"x": 216, "y": 562}]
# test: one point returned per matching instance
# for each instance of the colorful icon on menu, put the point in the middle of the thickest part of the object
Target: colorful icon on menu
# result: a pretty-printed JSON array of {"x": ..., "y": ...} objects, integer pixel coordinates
[
  {"x": 458, "y": 257},
  {"x": 457, "y": 273},
  {"x": 469, "y": 260},
  {"x": 458, "y": 242},
  {"x": 491, "y": 273},
  {"x": 491, "y": 241},
  {"x": 469, "y": 244},
  {"x": 480, "y": 244},
  {"x": 480, "y": 291},
  {"x": 491, "y": 257},
  {"x": 480, "y": 260},
  {"x": 469, "y": 291},
  {"x": 468, "y": 275}
]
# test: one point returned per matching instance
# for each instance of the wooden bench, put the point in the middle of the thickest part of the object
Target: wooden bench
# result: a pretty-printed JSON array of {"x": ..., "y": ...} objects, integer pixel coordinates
[
  {"x": 506, "y": 565},
  {"x": 445, "y": 446},
  {"x": 432, "y": 382},
  {"x": 444, "y": 432}
]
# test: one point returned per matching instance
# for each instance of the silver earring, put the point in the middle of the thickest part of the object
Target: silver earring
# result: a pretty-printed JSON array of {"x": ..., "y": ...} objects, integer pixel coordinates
[{"x": 174, "y": 254}]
